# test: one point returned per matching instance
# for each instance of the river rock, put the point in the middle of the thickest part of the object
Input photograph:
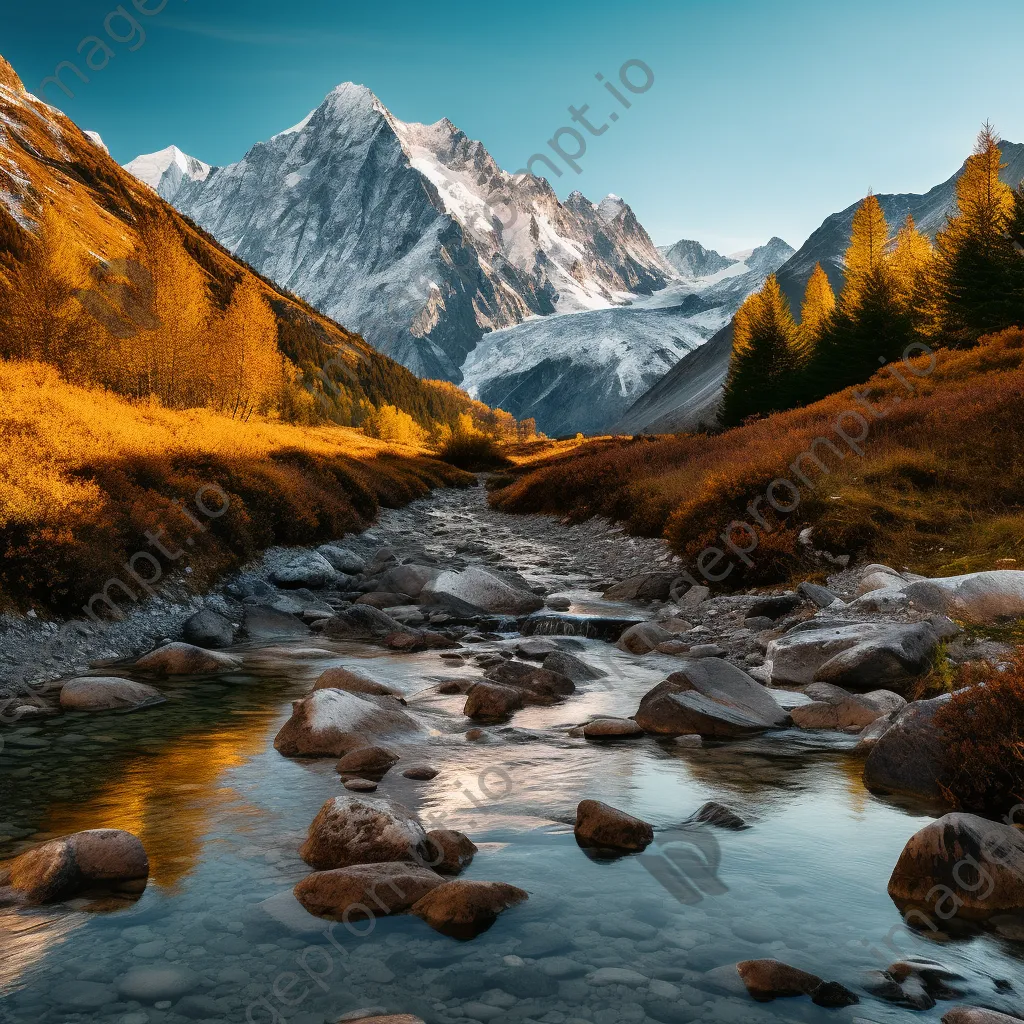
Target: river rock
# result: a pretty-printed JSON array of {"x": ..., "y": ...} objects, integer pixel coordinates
[
  {"x": 356, "y": 785},
  {"x": 368, "y": 762},
  {"x": 106, "y": 858},
  {"x": 341, "y": 678},
  {"x": 850, "y": 711},
  {"x": 154, "y": 984},
  {"x": 208, "y": 629},
  {"x": 769, "y": 979},
  {"x": 908, "y": 758},
  {"x": 391, "y": 1018},
  {"x": 361, "y": 622},
  {"x": 709, "y": 698},
  {"x": 342, "y": 559},
  {"x": 421, "y": 773},
  {"x": 464, "y": 909},
  {"x": 409, "y": 579},
  {"x": 647, "y": 586},
  {"x": 854, "y": 655},
  {"x": 479, "y": 591},
  {"x": 643, "y": 638},
  {"x": 963, "y": 864},
  {"x": 449, "y": 851},
  {"x": 977, "y": 1015},
  {"x": 312, "y": 570},
  {"x": 538, "y": 685},
  {"x": 107, "y": 693},
  {"x": 536, "y": 648},
  {"x": 821, "y": 596},
  {"x": 180, "y": 659},
  {"x": 363, "y": 891},
  {"x": 383, "y": 599},
  {"x": 775, "y": 606},
  {"x": 612, "y": 729},
  {"x": 601, "y": 827},
  {"x": 362, "y": 830},
  {"x": 693, "y": 599},
  {"x": 492, "y": 702},
  {"x": 330, "y": 723},
  {"x": 979, "y": 597},
  {"x": 718, "y": 815}
]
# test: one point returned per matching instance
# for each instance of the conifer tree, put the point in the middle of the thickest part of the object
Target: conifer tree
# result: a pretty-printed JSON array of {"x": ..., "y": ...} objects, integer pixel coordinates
[
  {"x": 976, "y": 263},
  {"x": 819, "y": 303},
  {"x": 867, "y": 250},
  {"x": 910, "y": 264},
  {"x": 764, "y": 356}
]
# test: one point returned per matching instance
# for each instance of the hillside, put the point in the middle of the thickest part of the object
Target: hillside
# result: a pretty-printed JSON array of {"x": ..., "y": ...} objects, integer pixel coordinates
[
  {"x": 51, "y": 171},
  {"x": 937, "y": 488}
]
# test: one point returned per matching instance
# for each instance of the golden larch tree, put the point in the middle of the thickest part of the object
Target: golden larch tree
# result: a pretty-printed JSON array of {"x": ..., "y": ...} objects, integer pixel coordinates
[
  {"x": 866, "y": 254},
  {"x": 819, "y": 302}
]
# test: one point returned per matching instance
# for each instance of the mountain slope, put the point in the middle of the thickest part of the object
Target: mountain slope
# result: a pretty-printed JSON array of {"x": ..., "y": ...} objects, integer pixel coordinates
[
  {"x": 688, "y": 395},
  {"x": 413, "y": 235},
  {"x": 690, "y": 259},
  {"x": 46, "y": 159}
]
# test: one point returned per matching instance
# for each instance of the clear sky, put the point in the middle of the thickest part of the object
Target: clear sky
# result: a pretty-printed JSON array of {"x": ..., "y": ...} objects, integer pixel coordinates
[{"x": 762, "y": 119}]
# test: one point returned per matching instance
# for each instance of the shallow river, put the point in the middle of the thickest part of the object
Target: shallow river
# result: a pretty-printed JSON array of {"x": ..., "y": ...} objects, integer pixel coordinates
[{"x": 218, "y": 936}]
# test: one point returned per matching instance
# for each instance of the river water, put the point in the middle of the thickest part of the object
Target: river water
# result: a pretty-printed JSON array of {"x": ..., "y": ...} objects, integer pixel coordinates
[{"x": 217, "y": 934}]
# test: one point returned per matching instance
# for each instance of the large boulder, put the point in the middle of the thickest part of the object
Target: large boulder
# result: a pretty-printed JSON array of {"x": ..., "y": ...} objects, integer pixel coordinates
[
  {"x": 478, "y": 591},
  {"x": 107, "y": 693},
  {"x": 310, "y": 570},
  {"x": 977, "y": 1015},
  {"x": 709, "y": 698},
  {"x": 843, "y": 710},
  {"x": 366, "y": 890},
  {"x": 463, "y": 909},
  {"x": 208, "y": 628},
  {"x": 186, "y": 660},
  {"x": 491, "y": 702},
  {"x": 643, "y": 638},
  {"x": 330, "y": 723},
  {"x": 571, "y": 667},
  {"x": 342, "y": 559},
  {"x": 909, "y": 757},
  {"x": 602, "y": 827},
  {"x": 539, "y": 685},
  {"x": 767, "y": 979},
  {"x": 361, "y": 622},
  {"x": 962, "y": 864},
  {"x": 362, "y": 830},
  {"x": 107, "y": 859},
  {"x": 341, "y": 678},
  {"x": 854, "y": 655},
  {"x": 979, "y": 597},
  {"x": 647, "y": 586},
  {"x": 408, "y": 579}
]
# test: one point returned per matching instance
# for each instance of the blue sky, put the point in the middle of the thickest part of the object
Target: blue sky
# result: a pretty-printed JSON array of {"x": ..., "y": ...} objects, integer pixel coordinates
[{"x": 762, "y": 118}]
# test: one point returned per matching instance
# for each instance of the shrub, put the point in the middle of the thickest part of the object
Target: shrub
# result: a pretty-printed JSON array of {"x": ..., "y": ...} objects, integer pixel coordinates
[
  {"x": 983, "y": 728},
  {"x": 472, "y": 451}
]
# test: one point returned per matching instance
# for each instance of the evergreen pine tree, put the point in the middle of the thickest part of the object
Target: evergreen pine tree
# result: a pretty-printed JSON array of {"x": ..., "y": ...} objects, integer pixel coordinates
[
  {"x": 976, "y": 263},
  {"x": 819, "y": 302},
  {"x": 867, "y": 250},
  {"x": 910, "y": 264}
]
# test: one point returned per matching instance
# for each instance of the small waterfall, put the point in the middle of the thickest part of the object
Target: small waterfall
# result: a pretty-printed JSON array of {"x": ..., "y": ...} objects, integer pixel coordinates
[{"x": 593, "y": 627}]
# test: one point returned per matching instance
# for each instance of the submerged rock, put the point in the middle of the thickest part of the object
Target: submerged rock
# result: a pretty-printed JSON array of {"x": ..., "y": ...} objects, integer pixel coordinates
[
  {"x": 366, "y": 890},
  {"x": 464, "y": 909},
  {"x": 107, "y": 693},
  {"x": 331, "y": 723},
  {"x": 362, "y": 830},
  {"x": 180, "y": 659},
  {"x": 106, "y": 858},
  {"x": 962, "y": 864},
  {"x": 602, "y": 827},
  {"x": 719, "y": 816}
]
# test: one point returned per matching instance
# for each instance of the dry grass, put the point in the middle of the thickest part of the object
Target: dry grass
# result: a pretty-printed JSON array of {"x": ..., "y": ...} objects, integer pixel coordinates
[
  {"x": 86, "y": 474},
  {"x": 938, "y": 488},
  {"x": 983, "y": 729}
]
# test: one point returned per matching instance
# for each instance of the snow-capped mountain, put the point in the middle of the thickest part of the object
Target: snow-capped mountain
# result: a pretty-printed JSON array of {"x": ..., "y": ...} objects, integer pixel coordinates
[
  {"x": 581, "y": 372},
  {"x": 690, "y": 259},
  {"x": 410, "y": 233},
  {"x": 165, "y": 172}
]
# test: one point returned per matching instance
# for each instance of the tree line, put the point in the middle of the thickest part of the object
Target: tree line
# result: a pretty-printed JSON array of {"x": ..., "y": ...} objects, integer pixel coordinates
[{"x": 898, "y": 290}]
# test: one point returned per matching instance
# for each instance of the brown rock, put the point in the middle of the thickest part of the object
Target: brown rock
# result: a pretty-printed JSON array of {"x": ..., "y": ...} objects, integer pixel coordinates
[
  {"x": 601, "y": 827},
  {"x": 448, "y": 851},
  {"x": 463, "y": 909},
  {"x": 643, "y": 638},
  {"x": 421, "y": 773},
  {"x": 612, "y": 729},
  {"x": 365, "y": 890},
  {"x": 491, "y": 702},
  {"x": 368, "y": 762},
  {"x": 107, "y": 693},
  {"x": 340, "y": 678},
  {"x": 180, "y": 659},
  {"x": 977, "y": 1015},
  {"x": 95, "y": 859},
  {"x": 361, "y": 785},
  {"x": 362, "y": 830},
  {"x": 770, "y": 979}
]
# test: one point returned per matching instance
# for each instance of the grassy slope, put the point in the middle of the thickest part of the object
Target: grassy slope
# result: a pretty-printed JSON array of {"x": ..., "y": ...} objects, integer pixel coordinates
[
  {"x": 85, "y": 475},
  {"x": 939, "y": 487}
]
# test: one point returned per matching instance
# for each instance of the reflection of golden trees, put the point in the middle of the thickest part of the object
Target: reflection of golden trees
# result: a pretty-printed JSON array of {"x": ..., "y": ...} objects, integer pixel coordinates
[{"x": 170, "y": 800}]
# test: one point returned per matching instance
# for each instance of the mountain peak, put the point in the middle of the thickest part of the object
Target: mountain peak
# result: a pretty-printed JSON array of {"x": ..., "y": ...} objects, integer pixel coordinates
[
  {"x": 611, "y": 206},
  {"x": 692, "y": 260},
  {"x": 165, "y": 170}
]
